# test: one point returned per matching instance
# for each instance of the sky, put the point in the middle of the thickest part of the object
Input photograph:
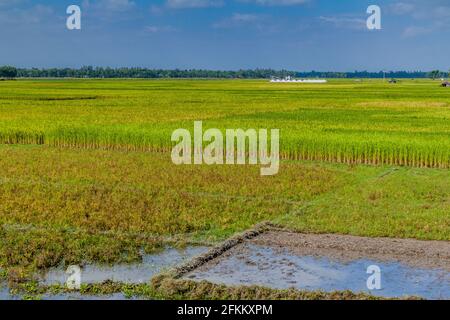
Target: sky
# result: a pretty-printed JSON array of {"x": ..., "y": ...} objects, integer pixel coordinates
[{"x": 301, "y": 35}]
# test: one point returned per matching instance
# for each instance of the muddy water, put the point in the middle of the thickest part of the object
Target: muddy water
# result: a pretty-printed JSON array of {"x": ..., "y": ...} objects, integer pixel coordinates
[
  {"x": 128, "y": 273},
  {"x": 261, "y": 265},
  {"x": 77, "y": 296},
  {"x": 6, "y": 295}
]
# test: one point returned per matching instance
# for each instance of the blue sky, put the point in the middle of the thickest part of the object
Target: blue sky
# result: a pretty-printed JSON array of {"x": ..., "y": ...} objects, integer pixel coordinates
[{"x": 228, "y": 34}]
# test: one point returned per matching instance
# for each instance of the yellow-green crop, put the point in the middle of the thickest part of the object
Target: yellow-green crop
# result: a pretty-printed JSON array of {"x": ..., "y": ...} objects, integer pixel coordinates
[{"x": 367, "y": 122}]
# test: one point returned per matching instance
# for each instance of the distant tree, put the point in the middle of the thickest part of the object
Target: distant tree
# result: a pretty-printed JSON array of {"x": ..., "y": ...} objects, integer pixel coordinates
[
  {"x": 435, "y": 74},
  {"x": 8, "y": 72}
]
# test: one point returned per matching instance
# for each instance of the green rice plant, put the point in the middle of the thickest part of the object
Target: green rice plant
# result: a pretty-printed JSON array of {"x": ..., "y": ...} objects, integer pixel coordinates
[{"x": 343, "y": 121}]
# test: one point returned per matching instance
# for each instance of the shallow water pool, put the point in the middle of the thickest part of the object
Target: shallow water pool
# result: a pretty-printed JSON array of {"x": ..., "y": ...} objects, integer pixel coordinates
[{"x": 280, "y": 269}]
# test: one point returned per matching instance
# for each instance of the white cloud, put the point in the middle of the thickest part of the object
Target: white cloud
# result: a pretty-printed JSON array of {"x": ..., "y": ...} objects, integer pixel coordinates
[
  {"x": 345, "y": 22},
  {"x": 276, "y": 2},
  {"x": 401, "y": 8},
  {"x": 264, "y": 24},
  {"x": 442, "y": 12},
  {"x": 245, "y": 17},
  {"x": 156, "y": 10},
  {"x": 109, "y": 10},
  {"x": 109, "y": 5},
  {"x": 159, "y": 29},
  {"x": 422, "y": 10},
  {"x": 240, "y": 19},
  {"x": 413, "y": 31},
  {"x": 25, "y": 16},
  {"x": 8, "y": 3},
  {"x": 117, "y": 5},
  {"x": 185, "y": 4},
  {"x": 432, "y": 15}
]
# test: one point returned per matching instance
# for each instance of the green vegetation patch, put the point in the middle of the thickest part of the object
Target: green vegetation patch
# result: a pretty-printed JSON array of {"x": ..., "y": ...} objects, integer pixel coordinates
[
  {"x": 80, "y": 206},
  {"x": 368, "y": 122},
  {"x": 381, "y": 202},
  {"x": 75, "y": 206}
]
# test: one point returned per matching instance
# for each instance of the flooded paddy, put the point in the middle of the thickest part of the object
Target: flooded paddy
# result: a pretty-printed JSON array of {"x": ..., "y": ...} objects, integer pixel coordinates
[
  {"x": 6, "y": 295},
  {"x": 280, "y": 259},
  {"x": 135, "y": 273},
  {"x": 328, "y": 263}
]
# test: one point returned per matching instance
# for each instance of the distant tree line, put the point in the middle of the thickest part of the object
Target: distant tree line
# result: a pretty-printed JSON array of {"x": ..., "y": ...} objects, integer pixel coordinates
[
  {"x": 8, "y": 72},
  {"x": 437, "y": 74},
  {"x": 100, "y": 72},
  {"x": 375, "y": 75}
]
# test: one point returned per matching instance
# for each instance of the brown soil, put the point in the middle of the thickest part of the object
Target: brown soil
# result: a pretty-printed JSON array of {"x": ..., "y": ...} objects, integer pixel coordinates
[
  {"x": 345, "y": 248},
  {"x": 416, "y": 253},
  {"x": 268, "y": 269}
]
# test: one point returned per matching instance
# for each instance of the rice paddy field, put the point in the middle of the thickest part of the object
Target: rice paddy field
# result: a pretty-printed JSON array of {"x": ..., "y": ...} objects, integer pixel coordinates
[
  {"x": 86, "y": 173},
  {"x": 348, "y": 122}
]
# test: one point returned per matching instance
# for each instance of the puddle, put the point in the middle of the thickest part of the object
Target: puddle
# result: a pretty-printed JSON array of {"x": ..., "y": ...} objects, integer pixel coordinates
[
  {"x": 5, "y": 295},
  {"x": 77, "y": 296},
  {"x": 280, "y": 269},
  {"x": 136, "y": 273}
]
